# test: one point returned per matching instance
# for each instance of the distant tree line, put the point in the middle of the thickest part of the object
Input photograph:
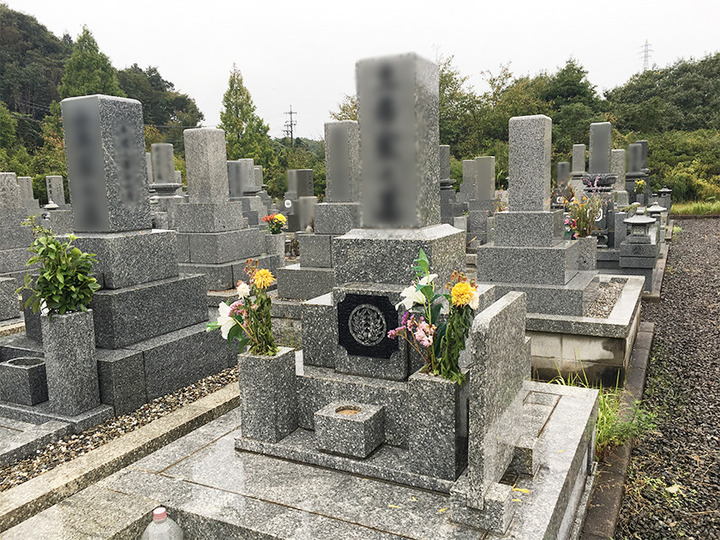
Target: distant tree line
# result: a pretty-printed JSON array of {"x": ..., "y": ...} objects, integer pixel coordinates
[{"x": 676, "y": 108}]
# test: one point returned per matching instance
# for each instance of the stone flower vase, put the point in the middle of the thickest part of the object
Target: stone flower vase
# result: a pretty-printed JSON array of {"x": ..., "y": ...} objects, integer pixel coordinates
[
  {"x": 70, "y": 365},
  {"x": 438, "y": 425},
  {"x": 267, "y": 394},
  {"x": 275, "y": 244}
]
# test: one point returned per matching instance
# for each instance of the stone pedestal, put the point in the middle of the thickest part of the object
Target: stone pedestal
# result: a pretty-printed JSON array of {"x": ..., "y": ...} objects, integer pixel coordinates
[
  {"x": 70, "y": 365},
  {"x": 275, "y": 244}
]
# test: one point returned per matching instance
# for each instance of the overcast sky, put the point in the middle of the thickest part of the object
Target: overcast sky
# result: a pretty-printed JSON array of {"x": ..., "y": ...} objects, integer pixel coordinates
[{"x": 303, "y": 53}]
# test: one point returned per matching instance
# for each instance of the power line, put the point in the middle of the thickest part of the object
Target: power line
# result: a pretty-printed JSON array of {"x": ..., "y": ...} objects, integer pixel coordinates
[{"x": 289, "y": 125}]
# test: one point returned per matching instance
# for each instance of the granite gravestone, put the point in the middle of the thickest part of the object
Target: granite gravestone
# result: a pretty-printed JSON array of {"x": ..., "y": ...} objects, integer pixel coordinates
[
  {"x": 15, "y": 238},
  {"x": 300, "y": 188},
  {"x": 449, "y": 208},
  {"x": 410, "y": 428},
  {"x": 213, "y": 237},
  {"x": 400, "y": 100},
  {"x": 340, "y": 213},
  {"x": 578, "y": 171},
  {"x": 164, "y": 184},
  {"x": 59, "y": 213},
  {"x": 145, "y": 350},
  {"x": 56, "y": 191},
  {"x": 244, "y": 188},
  {"x": 528, "y": 253},
  {"x": 263, "y": 194},
  {"x": 562, "y": 193},
  {"x": 109, "y": 184}
]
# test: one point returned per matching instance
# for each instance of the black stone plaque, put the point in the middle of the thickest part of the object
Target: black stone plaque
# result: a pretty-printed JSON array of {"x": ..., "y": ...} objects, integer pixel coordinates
[{"x": 363, "y": 324}]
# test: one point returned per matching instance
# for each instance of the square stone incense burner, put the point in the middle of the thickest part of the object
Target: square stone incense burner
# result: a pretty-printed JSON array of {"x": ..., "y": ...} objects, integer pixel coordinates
[{"x": 349, "y": 428}]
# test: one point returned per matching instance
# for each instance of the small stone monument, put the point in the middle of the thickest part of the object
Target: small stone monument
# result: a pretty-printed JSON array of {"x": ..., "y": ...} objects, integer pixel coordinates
[
  {"x": 562, "y": 193},
  {"x": 213, "y": 237},
  {"x": 244, "y": 188},
  {"x": 58, "y": 212},
  {"x": 15, "y": 239},
  {"x": 299, "y": 201},
  {"x": 164, "y": 185}
]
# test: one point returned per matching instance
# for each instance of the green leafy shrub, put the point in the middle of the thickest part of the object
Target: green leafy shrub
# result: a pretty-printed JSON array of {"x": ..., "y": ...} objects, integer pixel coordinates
[{"x": 64, "y": 283}]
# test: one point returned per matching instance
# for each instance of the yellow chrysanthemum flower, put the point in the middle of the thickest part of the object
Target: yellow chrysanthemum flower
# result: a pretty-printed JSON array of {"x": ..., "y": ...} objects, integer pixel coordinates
[
  {"x": 462, "y": 293},
  {"x": 263, "y": 279},
  {"x": 281, "y": 218}
]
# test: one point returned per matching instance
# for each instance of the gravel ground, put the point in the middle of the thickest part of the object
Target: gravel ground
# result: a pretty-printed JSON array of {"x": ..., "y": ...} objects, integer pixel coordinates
[
  {"x": 673, "y": 486},
  {"x": 73, "y": 446},
  {"x": 608, "y": 293}
]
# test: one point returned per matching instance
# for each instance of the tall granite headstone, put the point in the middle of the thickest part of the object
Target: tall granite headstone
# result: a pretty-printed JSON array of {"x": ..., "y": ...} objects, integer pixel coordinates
[
  {"x": 145, "y": 349},
  {"x": 213, "y": 237},
  {"x": 528, "y": 253},
  {"x": 340, "y": 213}
]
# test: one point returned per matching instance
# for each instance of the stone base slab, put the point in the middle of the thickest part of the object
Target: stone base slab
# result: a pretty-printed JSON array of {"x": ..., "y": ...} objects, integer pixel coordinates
[
  {"x": 336, "y": 218},
  {"x": 554, "y": 299},
  {"x": 296, "y": 282},
  {"x": 23, "y": 439},
  {"x": 315, "y": 250},
  {"x": 126, "y": 316},
  {"x": 386, "y": 256},
  {"x": 528, "y": 229},
  {"x": 207, "y": 217},
  {"x": 222, "y": 247},
  {"x": 555, "y": 265},
  {"x": 131, "y": 258},
  {"x": 177, "y": 359}
]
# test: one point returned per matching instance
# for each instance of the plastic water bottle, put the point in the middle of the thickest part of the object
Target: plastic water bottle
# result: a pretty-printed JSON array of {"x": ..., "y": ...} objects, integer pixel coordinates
[{"x": 162, "y": 527}]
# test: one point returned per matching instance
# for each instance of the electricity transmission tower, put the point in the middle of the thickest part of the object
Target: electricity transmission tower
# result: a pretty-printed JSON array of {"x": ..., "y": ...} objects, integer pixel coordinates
[
  {"x": 289, "y": 125},
  {"x": 645, "y": 51}
]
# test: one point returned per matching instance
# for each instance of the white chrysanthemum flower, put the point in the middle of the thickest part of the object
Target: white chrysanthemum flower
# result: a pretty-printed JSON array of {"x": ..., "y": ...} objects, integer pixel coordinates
[{"x": 243, "y": 289}]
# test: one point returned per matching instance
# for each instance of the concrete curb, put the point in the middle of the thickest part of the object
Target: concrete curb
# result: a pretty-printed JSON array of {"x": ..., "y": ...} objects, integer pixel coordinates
[
  {"x": 606, "y": 499},
  {"x": 691, "y": 216},
  {"x": 34, "y": 496}
]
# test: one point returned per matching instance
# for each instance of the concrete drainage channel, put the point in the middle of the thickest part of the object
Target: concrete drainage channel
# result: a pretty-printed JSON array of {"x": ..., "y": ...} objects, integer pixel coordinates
[{"x": 35, "y": 495}]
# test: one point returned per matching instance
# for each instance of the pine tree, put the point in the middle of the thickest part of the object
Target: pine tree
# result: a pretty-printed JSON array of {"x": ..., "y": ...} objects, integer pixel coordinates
[{"x": 88, "y": 71}]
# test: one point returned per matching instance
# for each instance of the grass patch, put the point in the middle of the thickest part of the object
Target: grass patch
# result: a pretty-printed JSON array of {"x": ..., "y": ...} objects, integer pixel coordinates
[
  {"x": 696, "y": 208},
  {"x": 676, "y": 232},
  {"x": 617, "y": 423}
]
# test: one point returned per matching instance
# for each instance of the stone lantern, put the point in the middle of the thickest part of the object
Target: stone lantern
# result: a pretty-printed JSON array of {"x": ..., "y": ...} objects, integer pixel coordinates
[{"x": 639, "y": 228}]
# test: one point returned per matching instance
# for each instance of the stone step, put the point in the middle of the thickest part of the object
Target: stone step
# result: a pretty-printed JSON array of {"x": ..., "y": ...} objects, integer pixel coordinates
[{"x": 125, "y": 316}]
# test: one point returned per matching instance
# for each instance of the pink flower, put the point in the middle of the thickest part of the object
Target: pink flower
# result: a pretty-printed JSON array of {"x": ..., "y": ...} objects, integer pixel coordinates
[{"x": 237, "y": 308}]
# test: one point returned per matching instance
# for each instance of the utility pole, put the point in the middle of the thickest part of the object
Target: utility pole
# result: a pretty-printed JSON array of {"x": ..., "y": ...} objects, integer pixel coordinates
[
  {"x": 645, "y": 53},
  {"x": 289, "y": 125}
]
